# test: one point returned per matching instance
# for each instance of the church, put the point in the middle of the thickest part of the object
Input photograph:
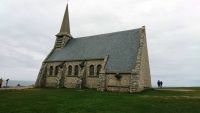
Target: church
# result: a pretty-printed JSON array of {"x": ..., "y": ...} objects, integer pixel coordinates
[{"x": 116, "y": 61}]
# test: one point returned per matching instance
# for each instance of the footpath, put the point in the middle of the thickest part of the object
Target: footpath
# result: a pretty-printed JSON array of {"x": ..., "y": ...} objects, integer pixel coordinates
[{"x": 16, "y": 87}]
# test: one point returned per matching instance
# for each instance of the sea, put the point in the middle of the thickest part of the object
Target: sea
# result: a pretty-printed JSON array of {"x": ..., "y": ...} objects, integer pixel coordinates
[{"x": 16, "y": 82}]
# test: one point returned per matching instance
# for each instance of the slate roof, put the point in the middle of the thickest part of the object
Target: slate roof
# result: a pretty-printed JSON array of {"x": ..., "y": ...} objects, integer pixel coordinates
[{"x": 122, "y": 48}]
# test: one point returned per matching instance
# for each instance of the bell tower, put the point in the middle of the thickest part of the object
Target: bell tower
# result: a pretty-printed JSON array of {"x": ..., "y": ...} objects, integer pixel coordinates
[{"x": 64, "y": 35}]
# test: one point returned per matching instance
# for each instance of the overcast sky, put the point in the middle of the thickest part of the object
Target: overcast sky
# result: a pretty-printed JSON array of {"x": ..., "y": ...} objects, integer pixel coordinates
[{"x": 28, "y": 29}]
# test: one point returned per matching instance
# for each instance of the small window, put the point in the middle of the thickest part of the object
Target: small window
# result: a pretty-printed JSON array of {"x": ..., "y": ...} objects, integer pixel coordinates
[
  {"x": 98, "y": 69},
  {"x": 76, "y": 70},
  {"x": 56, "y": 70},
  {"x": 69, "y": 70},
  {"x": 51, "y": 70},
  {"x": 91, "y": 69}
]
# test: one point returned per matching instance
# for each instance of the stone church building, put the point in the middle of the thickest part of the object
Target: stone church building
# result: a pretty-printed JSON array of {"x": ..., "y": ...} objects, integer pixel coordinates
[{"x": 115, "y": 61}]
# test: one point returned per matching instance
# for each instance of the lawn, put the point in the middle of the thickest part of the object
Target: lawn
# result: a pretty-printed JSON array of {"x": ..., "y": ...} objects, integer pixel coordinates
[{"x": 52, "y": 100}]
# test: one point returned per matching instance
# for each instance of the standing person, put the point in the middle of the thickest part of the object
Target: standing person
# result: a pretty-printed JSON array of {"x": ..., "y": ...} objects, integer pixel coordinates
[
  {"x": 158, "y": 83},
  {"x": 1, "y": 81},
  {"x": 161, "y": 84}
]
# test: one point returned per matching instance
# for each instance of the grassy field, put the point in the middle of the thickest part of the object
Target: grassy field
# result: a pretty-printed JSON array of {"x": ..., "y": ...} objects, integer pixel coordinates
[{"x": 51, "y": 100}]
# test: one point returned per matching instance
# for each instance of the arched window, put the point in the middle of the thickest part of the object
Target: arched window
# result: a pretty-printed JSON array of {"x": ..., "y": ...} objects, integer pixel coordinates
[
  {"x": 76, "y": 70},
  {"x": 51, "y": 70},
  {"x": 69, "y": 70},
  {"x": 98, "y": 69},
  {"x": 56, "y": 70},
  {"x": 91, "y": 69}
]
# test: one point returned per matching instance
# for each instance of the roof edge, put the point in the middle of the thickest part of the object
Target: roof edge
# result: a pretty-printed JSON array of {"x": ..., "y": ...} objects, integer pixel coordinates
[
  {"x": 109, "y": 33},
  {"x": 75, "y": 60},
  {"x": 118, "y": 71}
]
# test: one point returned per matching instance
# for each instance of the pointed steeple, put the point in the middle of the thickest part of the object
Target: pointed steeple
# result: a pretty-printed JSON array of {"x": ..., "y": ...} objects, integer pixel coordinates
[{"x": 65, "y": 27}]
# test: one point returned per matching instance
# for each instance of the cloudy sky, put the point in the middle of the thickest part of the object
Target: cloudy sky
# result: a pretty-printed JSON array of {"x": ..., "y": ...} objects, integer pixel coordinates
[{"x": 28, "y": 29}]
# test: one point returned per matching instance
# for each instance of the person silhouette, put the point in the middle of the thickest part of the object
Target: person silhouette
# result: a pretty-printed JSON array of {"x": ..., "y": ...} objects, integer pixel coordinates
[
  {"x": 158, "y": 83},
  {"x": 1, "y": 81},
  {"x": 161, "y": 84}
]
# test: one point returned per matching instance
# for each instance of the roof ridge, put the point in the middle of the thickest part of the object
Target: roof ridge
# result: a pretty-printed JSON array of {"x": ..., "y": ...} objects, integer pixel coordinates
[{"x": 106, "y": 33}]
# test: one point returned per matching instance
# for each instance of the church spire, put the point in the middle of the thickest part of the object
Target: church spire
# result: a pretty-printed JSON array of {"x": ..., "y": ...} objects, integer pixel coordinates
[{"x": 65, "y": 27}]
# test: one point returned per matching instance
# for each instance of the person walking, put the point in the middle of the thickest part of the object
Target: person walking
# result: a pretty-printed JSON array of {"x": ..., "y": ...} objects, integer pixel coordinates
[
  {"x": 1, "y": 81},
  {"x": 158, "y": 83},
  {"x": 161, "y": 84}
]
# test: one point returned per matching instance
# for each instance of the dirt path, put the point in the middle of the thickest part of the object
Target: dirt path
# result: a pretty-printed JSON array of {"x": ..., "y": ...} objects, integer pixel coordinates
[
  {"x": 17, "y": 87},
  {"x": 176, "y": 89}
]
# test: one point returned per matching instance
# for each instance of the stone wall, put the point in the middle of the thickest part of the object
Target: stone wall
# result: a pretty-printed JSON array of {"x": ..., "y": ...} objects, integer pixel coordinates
[
  {"x": 102, "y": 76},
  {"x": 54, "y": 64},
  {"x": 118, "y": 85},
  {"x": 118, "y": 89},
  {"x": 140, "y": 77},
  {"x": 70, "y": 81},
  {"x": 145, "y": 69},
  {"x": 92, "y": 82},
  {"x": 41, "y": 79},
  {"x": 111, "y": 80},
  {"x": 50, "y": 81},
  {"x": 142, "y": 70}
]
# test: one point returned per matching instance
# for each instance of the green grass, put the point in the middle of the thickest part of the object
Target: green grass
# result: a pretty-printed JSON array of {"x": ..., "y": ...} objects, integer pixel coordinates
[{"x": 52, "y": 100}]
